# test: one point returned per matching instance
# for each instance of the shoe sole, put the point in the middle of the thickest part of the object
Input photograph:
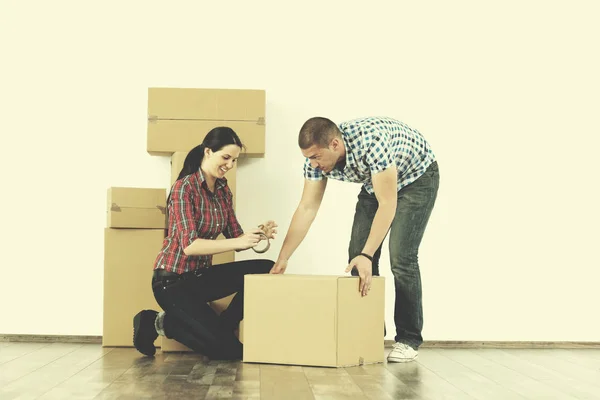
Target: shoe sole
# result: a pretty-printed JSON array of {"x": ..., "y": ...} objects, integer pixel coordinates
[{"x": 402, "y": 360}]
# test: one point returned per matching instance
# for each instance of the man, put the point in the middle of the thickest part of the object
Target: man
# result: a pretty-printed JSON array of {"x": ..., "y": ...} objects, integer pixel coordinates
[{"x": 400, "y": 180}]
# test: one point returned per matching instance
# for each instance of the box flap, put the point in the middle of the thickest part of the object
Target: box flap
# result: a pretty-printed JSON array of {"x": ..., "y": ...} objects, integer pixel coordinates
[
  {"x": 127, "y": 197},
  {"x": 207, "y": 104}
]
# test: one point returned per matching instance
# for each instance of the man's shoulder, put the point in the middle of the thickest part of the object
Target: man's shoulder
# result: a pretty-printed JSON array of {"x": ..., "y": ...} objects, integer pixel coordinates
[{"x": 369, "y": 124}]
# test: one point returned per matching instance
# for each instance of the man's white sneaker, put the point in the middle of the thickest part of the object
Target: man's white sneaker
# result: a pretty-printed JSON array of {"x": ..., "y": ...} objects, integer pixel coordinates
[{"x": 402, "y": 353}]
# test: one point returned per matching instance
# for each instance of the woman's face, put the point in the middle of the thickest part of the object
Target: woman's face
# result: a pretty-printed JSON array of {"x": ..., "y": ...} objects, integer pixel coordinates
[{"x": 218, "y": 163}]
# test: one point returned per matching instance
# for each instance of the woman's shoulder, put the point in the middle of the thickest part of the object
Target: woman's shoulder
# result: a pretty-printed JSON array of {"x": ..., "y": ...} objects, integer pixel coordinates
[{"x": 185, "y": 185}]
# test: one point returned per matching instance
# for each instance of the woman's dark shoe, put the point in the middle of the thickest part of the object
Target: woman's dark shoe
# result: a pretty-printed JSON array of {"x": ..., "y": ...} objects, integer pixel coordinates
[{"x": 144, "y": 332}]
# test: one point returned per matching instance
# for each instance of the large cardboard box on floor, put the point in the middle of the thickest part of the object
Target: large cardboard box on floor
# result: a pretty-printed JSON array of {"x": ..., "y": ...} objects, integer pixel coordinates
[
  {"x": 129, "y": 256},
  {"x": 313, "y": 320},
  {"x": 180, "y": 118},
  {"x": 130, "y": 207}
]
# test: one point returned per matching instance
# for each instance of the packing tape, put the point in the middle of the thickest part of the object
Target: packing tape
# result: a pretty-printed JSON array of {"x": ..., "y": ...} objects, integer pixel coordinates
[
  {"x": 117, "y": 208},
  {"x": 264, "y": 237}
]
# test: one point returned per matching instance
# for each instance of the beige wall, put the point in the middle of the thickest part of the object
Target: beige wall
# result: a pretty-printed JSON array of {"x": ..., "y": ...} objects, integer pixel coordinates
[{"x": 507, "y": 94}]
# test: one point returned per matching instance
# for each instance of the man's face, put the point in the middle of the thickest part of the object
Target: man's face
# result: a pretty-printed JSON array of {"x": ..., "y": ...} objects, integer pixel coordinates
[{"x": 323, "y": 158}]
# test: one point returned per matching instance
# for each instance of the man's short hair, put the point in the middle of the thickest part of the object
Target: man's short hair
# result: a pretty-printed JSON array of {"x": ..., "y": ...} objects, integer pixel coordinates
[{"x": 317, "y": 131}]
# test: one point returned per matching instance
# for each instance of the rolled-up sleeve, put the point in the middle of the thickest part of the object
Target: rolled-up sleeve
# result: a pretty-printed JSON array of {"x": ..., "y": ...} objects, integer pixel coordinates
[
  {"x": 233, "y": 228},
  {"x": 310, "y": 173},
  {"x": 183, "y": 213}
]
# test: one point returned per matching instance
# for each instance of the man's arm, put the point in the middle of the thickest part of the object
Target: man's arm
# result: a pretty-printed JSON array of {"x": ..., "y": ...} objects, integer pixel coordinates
[
  {"x": 305, "y": 214},
  {"x": 385, "y": 186}
]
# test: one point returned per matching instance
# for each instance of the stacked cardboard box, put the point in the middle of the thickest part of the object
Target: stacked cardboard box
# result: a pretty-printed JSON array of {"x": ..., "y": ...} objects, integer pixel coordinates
[
  {"x": 180, "y": 118},
  {"x": 132, "y": 239}
]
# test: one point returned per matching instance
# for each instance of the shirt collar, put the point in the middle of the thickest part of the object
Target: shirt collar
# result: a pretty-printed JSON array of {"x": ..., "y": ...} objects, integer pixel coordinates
[
  {"x": 350, "y": 158},
  {"x": 201, "y": 182}
]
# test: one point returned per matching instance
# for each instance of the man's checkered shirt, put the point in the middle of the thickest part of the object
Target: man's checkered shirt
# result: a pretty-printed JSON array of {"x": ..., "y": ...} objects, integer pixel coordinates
[{"x": 374, "y": 144}]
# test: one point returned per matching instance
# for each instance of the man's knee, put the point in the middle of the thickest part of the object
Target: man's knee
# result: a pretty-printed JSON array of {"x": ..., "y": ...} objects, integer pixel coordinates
[{"x": 404, "y": 263}]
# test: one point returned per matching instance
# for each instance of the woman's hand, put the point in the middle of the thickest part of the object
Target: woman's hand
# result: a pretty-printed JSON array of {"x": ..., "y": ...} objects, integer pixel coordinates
[
  {"x": 248, "y": 239},
  {"x": 268, "y": 228}
]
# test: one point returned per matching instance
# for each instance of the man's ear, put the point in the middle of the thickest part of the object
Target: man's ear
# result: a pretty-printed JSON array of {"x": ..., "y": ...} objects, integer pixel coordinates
[{"x": 335, "y": 143}]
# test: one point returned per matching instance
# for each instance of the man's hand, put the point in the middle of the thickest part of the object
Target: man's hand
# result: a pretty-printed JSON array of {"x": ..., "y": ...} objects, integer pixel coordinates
[
  {"x": 365, "y": 272},
  {"x": 279, "y": 267}
]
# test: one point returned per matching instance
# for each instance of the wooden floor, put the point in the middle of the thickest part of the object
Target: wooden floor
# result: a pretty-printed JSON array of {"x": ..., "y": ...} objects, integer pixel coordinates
[{"x": 88, "y": 371}]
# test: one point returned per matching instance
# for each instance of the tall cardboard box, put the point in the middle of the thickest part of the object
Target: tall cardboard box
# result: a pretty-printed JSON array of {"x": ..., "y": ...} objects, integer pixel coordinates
[
  {"x": 136, "y": 208},
  {"x": 180, "y": 118},
  {"x": 313, "y": 320},
  {"x": 129, "y": 256}
]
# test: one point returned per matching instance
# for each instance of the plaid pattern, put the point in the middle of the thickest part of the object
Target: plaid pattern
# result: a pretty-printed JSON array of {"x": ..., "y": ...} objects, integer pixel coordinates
[
  {"x": 374, "y": 144},
  {"x": 195, "y": 212}
]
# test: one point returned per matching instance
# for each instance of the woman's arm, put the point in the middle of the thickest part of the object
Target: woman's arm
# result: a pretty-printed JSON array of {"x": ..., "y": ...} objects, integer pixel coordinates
[{"x": 183, "y": 209}]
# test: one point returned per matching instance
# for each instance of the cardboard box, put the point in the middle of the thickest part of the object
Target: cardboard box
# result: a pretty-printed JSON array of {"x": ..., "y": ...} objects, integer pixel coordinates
[
  {"x": 180, "y": 118},
  {"x": 129, "y": 256},
  {"x": 136, "y": 208},
  {"x": 313, "y": 320}
]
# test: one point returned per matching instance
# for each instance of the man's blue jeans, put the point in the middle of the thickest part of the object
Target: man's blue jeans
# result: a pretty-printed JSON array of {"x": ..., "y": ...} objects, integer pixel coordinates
[{"x": 415, "y": 203}]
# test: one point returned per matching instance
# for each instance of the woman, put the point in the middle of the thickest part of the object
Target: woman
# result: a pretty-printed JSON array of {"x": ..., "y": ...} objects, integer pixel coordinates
[{"x": 200, "y": 208}]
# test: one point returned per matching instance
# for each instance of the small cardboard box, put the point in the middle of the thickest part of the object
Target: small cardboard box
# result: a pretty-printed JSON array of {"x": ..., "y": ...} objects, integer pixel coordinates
[
  {"x": 136, "y": 208},
  {"x": 180, "y": 118},
  {"x": 129, "y": 256},
  {"x": 313, "y": 320}
]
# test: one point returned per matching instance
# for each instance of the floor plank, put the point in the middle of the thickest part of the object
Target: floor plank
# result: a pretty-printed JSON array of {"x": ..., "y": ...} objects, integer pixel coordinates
[
  {"x": 284, "y": 382},
  {"x": 32, "y": 360},
  {"x": 377, "y": 382},
  {"x": 38, "y": 382},
  {"x": 10, "y": 351},
  {"x": 469, "y": 380},
  {"x": 328, "y": 383},
  {"x": 88, "y": 371},
  {"x": 424, "y": 382},
  {"x": 522, "y": 377}
]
